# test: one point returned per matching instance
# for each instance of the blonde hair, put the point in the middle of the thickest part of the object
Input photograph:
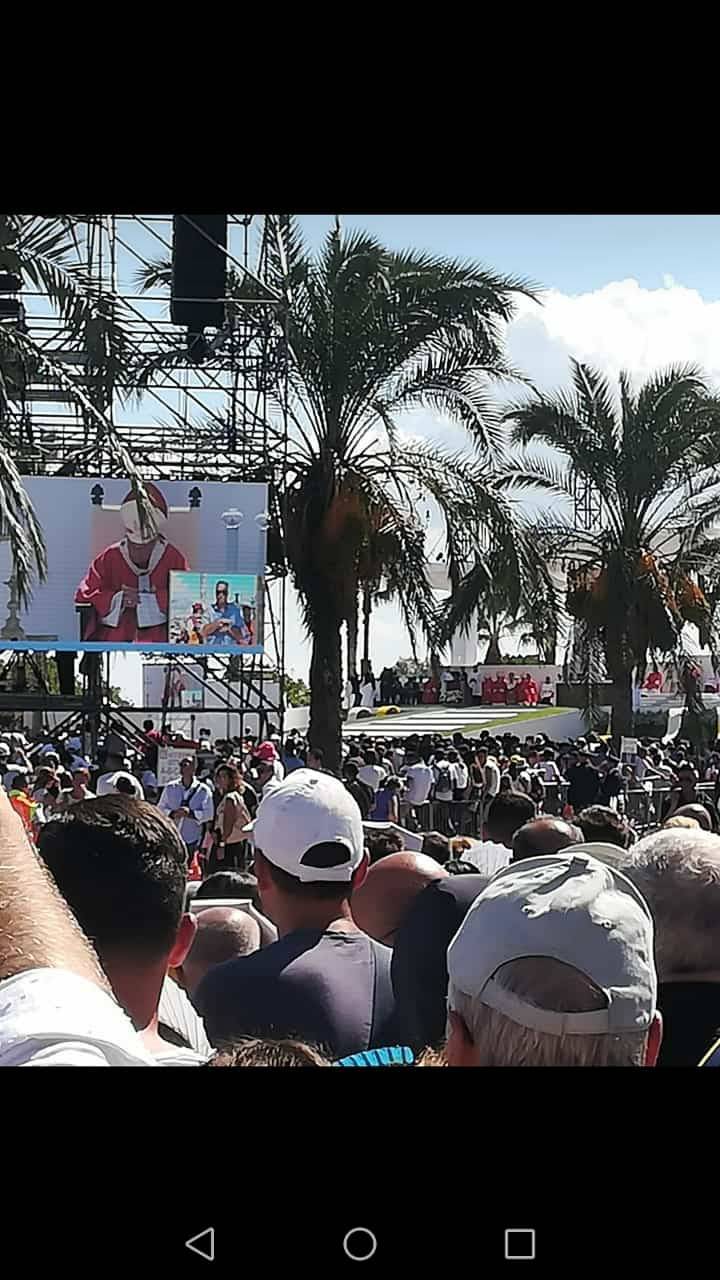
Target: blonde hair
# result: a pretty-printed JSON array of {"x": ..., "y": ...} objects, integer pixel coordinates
[
  {"x": 678, "y": 820},
  {"x": 678, "y": 874},
  {"x": 545, "y": 984}
]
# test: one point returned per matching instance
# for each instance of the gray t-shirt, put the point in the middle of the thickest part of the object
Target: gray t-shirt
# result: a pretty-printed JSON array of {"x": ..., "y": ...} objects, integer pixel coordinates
[{"x": 330, "y": 989}]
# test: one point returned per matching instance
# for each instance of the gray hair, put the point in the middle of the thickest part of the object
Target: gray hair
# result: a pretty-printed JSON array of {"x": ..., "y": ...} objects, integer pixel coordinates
[
  {"x": 547, "y": 984},
  {"x": 678, "y": 873}
]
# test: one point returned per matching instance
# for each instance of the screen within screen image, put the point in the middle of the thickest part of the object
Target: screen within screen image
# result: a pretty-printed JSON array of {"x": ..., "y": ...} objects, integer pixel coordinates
[{"x": 189, "y": 580}]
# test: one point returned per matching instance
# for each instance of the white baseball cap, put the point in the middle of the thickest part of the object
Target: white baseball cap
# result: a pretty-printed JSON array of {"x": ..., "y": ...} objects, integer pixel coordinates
[
  {"x": 568, "y": 907},
  {"x": 308, "y": 809}
]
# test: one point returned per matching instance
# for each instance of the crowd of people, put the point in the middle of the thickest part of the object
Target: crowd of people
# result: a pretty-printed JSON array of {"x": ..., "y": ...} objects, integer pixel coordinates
[
  {"x": 463, "y": 686},
  {"x": 467, "y": 901}
]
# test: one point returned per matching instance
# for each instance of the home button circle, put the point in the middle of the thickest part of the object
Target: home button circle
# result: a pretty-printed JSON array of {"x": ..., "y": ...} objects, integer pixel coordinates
[{"x": 360, "y": 1244}]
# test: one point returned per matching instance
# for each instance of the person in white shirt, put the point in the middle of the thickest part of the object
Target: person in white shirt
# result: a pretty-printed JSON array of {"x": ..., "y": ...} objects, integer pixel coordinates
[
  {"x": 121, "y": 867},
  {"x": 367, "y": 693},
  {"x": 418, "y": 778},
  {"x": 372, "y": 773},
  {"x": 490, "y": 780},
  {"x": 461, "y": 784},
  {"x": 443, "y": 791},
  {"x": 189, "y": 802},
  {"x": 121, "y": 782},
  {"x": 56, "y": 1006}
]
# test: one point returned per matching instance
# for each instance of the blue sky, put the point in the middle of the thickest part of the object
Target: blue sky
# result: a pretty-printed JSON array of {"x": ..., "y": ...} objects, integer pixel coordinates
[
  {"x": 570, "y": 252},
  {"x": 634, "y": 292}
]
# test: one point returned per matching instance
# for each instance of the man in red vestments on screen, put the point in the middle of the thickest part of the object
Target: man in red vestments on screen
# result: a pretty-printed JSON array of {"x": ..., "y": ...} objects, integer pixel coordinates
[{"x": 128, "y": 583}]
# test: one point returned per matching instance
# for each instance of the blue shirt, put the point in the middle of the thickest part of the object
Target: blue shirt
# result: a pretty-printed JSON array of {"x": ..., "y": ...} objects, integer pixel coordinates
[
  {"x": 234, "y": 616},
  {"x": 329, "y": 989}
]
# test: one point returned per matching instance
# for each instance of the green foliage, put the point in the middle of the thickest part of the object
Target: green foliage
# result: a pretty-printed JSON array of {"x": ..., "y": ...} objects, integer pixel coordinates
[
  {"x": 296, "y": 692},
  {"x": 412, "y": 667},
  {"x": 653, "y": 458}
]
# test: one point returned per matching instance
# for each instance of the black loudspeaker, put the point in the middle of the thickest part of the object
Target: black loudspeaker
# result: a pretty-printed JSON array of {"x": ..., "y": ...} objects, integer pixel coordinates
[
  {"x": 199, "y": 270},
  {"x": 65, "y": 663}
]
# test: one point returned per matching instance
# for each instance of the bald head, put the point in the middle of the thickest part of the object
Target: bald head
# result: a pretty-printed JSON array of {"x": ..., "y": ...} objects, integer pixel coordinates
[
  {"x": 542, "y": 836},
  {"x": 381, "y": 903},
  {"x": 223, "y": 933},
  {"x": 696, "y": 811}
]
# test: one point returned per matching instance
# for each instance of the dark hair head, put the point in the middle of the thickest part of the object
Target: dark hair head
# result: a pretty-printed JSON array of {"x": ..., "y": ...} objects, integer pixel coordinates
[
  {"x": 600, "y": 822},
  {"x": 370, "y": 757},
  {"x": 147, "y": 724},
  {"x": 436, "y": 846},
  {"x": 222, "y": 583},
  {"x": 19, "y": 782},
  {"x": 458, "y": 867},
  {"x": 318, "y": 890},
  {"x": 234, "y": 779},
  {"x": 228, "y": 884},
  {"x": 124, "y": 786},
  {"x": 381, "y": 843},
  {"x": 507, "y": 813},
  {"x": 121, "y": 865},
  {"x": 350, "y": 770},
  {"x": 391, "y": 783},
  {"x": 317, "y": 753}
]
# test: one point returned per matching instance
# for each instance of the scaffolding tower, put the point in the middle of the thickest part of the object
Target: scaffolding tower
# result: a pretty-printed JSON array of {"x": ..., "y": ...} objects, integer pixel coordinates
[{"x": 224, "y": 419}]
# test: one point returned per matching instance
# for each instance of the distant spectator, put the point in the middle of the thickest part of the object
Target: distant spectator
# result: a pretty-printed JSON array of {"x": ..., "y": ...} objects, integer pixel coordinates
[
  {"x": 371, "y": 772},
  {"x": 381, "y": 904},
  {"x": 316, "y": 758},
  {"x": 291, "y": 758},
  {"x": 386, "y": 807},
  {"x": 506, "y": 814},
  {"x": 685, "y": 793},
  {"x": 600, "y": 822},
  {"x": 230, "y": 883},
  {"x": 381, "y": 843},
  {"x": 362, "y": 794},
  {"x": 584, "y": 783},
  {"x": 436, "y": 846},
  {"x": 418, "y": 777},
  {"x": 78, "y": 791},
  {"x": 542, "y": 836},
  {"x": 533, "y": 962}
]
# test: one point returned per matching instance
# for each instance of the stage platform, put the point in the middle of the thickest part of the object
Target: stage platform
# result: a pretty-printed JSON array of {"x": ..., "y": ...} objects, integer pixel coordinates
[{"x": 557, "y": 722}]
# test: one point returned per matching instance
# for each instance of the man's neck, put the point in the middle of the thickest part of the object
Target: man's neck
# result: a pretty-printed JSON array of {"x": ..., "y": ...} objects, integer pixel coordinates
[
  {"x": 137, "y": 988},
  {"x": 321, "y": 916}
]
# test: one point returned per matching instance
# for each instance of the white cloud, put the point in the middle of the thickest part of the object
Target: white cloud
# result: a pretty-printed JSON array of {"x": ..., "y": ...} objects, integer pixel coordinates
[{"x": 620, "y": 326}]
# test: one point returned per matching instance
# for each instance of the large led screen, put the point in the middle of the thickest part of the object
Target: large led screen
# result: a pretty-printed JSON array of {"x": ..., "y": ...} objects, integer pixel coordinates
[{"x": 191, "y": 581}]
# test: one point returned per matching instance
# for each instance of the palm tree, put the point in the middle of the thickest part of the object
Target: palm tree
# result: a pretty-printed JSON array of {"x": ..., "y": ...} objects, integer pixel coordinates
[
  {"x": 371, "y": 333},
  {"x": 653, "y": 459},
  {"x": 506, "y": 586}
]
